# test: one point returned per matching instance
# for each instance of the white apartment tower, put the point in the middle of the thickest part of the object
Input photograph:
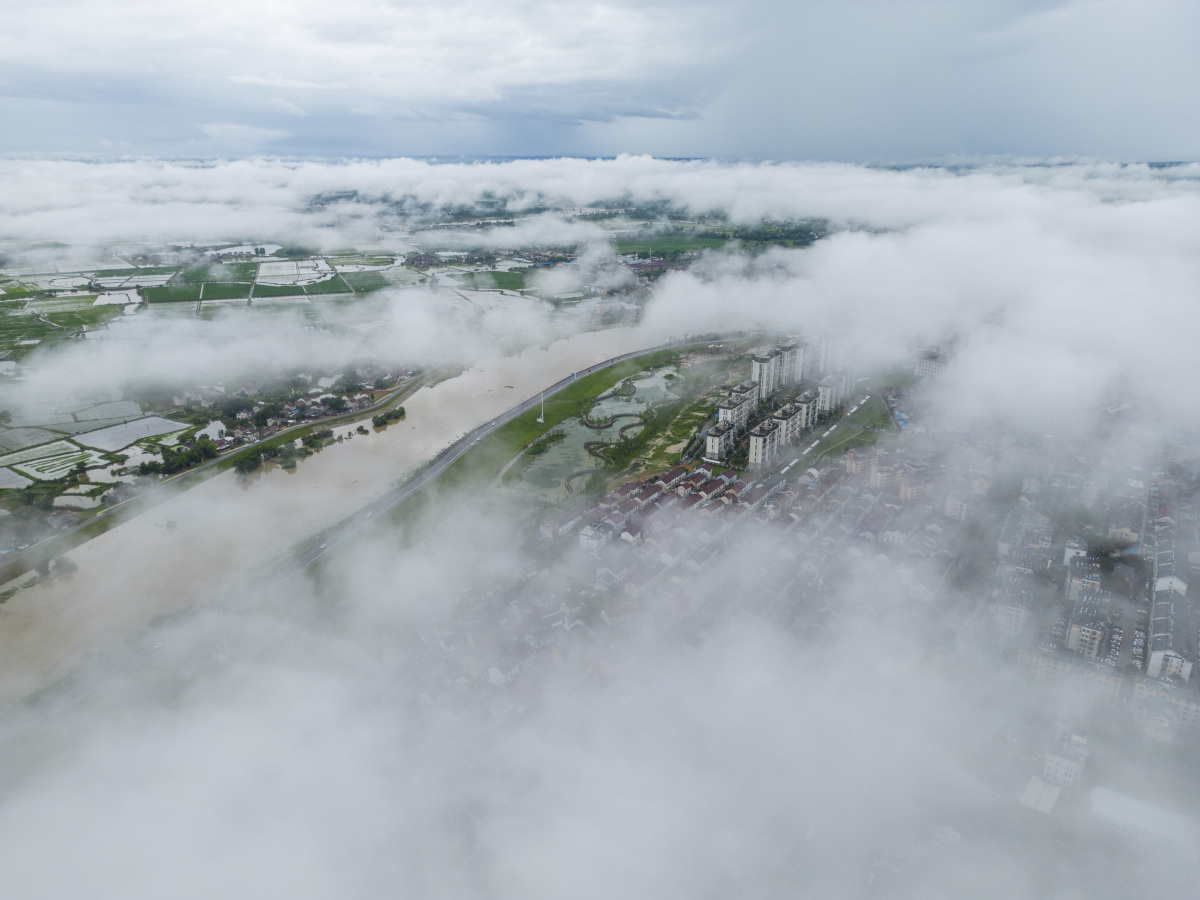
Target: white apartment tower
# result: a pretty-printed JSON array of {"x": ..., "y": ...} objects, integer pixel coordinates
[
  {"x": 764, "y": 368},
  {"x": 764, "y": 443},
  {"x": 831, "y": 391},
  {"x": 791, "y": 362},
  {"x": 719, "y": 441},
  {"x": 777, "y": 367}
]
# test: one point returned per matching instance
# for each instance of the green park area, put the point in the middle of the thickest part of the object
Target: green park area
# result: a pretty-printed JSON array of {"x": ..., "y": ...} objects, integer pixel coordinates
[
  {"x": 477, "y": 468},
  {"x": 843, "y": 438},
  {"x": 872, "y": 414}
]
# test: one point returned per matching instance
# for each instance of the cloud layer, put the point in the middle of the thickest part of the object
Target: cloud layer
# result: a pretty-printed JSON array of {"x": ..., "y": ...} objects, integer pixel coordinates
[
  {"x": 867, "y": 80},
  {"x": 321, "y": 745}
]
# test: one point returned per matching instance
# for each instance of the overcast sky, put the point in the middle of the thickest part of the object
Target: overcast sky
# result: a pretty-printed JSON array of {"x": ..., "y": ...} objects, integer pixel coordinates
[{"x": 856, "y": 80}]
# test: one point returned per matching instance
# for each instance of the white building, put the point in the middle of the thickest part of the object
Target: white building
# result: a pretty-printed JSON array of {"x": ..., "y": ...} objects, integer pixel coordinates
[
  {"x": 764, "y": 368},
  {"x": 1085, "y": 636},
  {"x": 791, "y": 362},
  {"x": 1063, "y": 762},
  {"x": 956, "y": 507},
  {"x": 777, "y": 367},
  {"x": 789, "y": 420},
  {"x": 806, "y": 404},
  {"x": 929, "y": 364},
  {"x": 1172, "y": 642},
  {"x": 593, "y": 537},
  {"x": 830, "y": 356},
  {"x": 719, "y": 441},
  {"x": 735, "y": 411},
  {"x": 831, "y": 392},
  {"x": 764, "y": 443},
  {"x": 751, "y": 391}
]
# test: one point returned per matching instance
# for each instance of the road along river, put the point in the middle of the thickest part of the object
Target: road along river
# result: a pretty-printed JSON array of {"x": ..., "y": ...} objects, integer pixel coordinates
[{"x": 227, "y": 533}]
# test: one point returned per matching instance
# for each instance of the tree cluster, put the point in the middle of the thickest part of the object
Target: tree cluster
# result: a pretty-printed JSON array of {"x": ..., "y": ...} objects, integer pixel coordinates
[
  {"x": 392, "y": 415},
  {"x": 317, "y": 438},
  {"x": 176, "y": 459}
]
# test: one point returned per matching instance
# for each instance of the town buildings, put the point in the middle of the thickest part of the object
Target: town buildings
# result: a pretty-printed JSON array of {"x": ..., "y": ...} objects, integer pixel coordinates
[{"x": 929, "y": 364}]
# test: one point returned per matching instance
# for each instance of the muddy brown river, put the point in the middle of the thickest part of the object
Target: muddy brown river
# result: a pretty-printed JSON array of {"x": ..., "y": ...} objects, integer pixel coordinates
[{"x": 227, "y": 529}]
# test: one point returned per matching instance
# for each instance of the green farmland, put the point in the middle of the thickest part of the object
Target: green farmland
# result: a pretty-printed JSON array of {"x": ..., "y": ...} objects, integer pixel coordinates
[
  {"x": 508, "y": 281},
  {"x": 335, "y": 285},
  {"x": 365, "y": 281},
  {"x": 664, "y": 244},
  {"x": 172, "y": 293},
  {"x": 226, "y": 290},
  {"x": 278, "y": 290},
  {"x": 216, "y": 272}
]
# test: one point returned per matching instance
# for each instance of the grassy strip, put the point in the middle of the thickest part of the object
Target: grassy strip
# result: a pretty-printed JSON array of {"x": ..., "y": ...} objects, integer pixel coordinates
[
  {"x": 148, "y": 270},
  {"x": 855, "y": 438},
  {"x": 872, "y": 414}
]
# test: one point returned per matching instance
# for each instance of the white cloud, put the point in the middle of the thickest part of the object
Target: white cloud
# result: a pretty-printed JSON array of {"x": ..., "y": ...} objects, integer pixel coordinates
[
  {"x": 342, "y": 756},
  {"x": 859, "y": 81}
]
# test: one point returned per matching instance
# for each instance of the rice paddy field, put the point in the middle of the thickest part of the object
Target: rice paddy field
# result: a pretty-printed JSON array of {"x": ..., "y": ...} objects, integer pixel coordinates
[
  {"x": 57, "y": 448},
  {"x": 118, "y": 437},
  {"x": 10, "y": 480},
  {"x": 50, "y": 468}
]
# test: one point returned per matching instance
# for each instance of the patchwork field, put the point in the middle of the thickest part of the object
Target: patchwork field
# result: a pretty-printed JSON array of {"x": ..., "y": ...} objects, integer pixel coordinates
[
  {"x": 226, "y": 290},
  {"x": 49, "y": 468},
  {"x": 173, "y": 293},
  {"x": 10, "y": 480},
  {"x": 57, "y": 448},
  {"x": 117, "y": 437},
  {"x": 294, "y": 272}
]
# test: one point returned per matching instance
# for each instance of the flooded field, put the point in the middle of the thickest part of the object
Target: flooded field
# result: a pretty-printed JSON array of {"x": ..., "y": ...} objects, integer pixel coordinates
[{"x": 117, "y": 437}]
